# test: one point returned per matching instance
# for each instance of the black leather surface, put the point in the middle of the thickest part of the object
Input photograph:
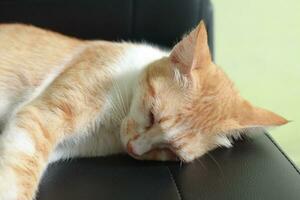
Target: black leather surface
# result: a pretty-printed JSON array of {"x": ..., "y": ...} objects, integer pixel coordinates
[{"x": 254, "y": 169}]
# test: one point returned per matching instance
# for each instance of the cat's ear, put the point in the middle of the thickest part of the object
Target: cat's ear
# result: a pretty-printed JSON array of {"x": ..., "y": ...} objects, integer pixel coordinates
[
  {"x": 246, "y": 116},
  {"x": 192, "y": 51},
  {"x": 249, "y": 116}
]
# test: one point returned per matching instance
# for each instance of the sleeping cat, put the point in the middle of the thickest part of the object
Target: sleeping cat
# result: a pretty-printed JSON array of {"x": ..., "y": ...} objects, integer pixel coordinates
[{"x": 62, "y": 97}]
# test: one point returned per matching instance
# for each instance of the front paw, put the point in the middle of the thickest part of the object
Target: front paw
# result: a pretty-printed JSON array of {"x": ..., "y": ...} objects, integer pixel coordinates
[
  {"x": 20, "y": 166},
  {"x": 8, "y": 185},
  {"x": 15, "y": 184}
]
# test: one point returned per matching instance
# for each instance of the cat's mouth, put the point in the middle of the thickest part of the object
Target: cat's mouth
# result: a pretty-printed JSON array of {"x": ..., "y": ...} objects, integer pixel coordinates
[
  {"x": 160, "y": 152},
  {"x": 143, "y": 147}
]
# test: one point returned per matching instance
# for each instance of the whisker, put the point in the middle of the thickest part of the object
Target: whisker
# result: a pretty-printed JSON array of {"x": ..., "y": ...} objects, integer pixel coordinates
[
  {"x": 201, "y": 163},
  {"x": 120, "y": 105},
  {"x": 217, "y": 164}
]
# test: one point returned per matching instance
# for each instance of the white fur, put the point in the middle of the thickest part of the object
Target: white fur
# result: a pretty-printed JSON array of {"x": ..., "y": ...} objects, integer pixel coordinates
[
  {"x": 12, "y": 142},
  {"x": 141, "y": 146},
  {"x": 102, "y": 136},
  {"x": 8, "y": 186},
  {"x": 16, "y": 140},
  {"x": 222, "y": 140}
]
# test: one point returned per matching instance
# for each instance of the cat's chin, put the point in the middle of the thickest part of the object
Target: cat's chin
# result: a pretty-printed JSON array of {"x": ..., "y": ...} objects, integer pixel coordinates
[{"x": 158, "y": 154}]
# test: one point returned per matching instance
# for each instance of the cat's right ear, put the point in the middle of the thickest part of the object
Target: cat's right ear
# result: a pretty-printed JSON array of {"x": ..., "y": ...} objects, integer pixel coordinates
[{"x": 192, "y": 51}]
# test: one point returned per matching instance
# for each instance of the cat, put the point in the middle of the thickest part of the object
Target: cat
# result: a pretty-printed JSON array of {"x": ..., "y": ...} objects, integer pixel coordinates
[{"x": 63, "y": 97}]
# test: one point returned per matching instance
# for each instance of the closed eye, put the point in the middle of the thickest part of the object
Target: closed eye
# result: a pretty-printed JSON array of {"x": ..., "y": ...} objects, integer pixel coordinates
[{"x": 151, "y": 119}]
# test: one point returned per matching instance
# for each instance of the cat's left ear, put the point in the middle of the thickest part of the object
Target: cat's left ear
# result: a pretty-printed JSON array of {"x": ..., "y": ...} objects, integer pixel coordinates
[
  {"x": 250, "y": 116},
  {"x": 245, "y": 116},
  {"x": 192, "y": 51}
]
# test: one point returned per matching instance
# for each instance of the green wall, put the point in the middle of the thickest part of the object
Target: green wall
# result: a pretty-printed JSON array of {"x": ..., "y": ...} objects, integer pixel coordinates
[{"x": 258, "y": 45}]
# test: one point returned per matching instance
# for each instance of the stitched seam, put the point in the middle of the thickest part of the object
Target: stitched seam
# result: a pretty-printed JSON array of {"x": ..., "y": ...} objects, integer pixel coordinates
[
  {"x": 176, "y": 187},
  {"x": 282, "y": 153}
]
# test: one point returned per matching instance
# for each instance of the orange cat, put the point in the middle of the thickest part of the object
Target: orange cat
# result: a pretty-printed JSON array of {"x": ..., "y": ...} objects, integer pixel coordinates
[{"x": 62, "y": 97}]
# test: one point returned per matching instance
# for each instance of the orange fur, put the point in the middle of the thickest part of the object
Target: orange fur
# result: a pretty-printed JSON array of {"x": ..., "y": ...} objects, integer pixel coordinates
[
  {"x": 206, "y": 107},
  {"x": 192, "y": 100},
  {"x": 63, "y": 108},
  {"x": 68, "y": 112}
]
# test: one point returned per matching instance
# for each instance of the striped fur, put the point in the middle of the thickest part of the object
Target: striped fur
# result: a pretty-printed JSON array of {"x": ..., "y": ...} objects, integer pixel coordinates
[{"x": 63, "y": 97}]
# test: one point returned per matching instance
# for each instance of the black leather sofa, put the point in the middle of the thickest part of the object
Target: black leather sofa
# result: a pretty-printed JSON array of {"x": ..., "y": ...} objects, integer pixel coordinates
[{"x": 255, "y": 168}]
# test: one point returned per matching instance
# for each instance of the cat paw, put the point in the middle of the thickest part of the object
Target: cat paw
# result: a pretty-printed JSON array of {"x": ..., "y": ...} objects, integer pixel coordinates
[
  {"x": 8, "y": 185},
  {"x": 18, "y": 165},
  {"x": 13, "y": 188}
]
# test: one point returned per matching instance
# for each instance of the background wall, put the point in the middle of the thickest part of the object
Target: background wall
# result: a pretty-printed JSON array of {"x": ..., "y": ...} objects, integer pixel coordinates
[{"x": 258, "y": 45}]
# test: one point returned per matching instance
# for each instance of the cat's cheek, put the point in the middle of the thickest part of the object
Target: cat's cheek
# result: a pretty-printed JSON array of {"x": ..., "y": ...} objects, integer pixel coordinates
[
  {"x": 123, "y": 132},
  {"x": 129, "y": 136},
  {"x": 127, "y": 132}
]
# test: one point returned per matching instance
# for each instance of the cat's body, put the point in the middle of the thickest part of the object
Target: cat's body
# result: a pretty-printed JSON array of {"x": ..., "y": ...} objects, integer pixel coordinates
[
  {"x": 62, "y": 97},
  {"x": 31, "y": 48},
  {"x": 33, "y": 61}
]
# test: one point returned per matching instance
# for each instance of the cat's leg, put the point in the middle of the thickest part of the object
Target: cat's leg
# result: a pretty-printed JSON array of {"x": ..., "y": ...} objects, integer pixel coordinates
[
  {"x": 67, "y": 107},
  {"x": 17, "y": 158},
  {"x": 27, "y": 142}
]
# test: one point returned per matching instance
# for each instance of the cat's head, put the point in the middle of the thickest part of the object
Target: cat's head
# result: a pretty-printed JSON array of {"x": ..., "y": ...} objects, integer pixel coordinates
[{"x": 187, "y": 105}]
